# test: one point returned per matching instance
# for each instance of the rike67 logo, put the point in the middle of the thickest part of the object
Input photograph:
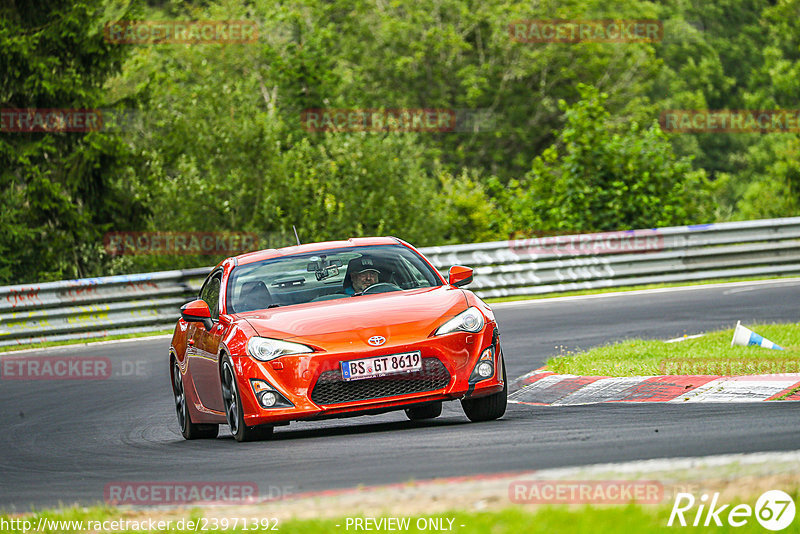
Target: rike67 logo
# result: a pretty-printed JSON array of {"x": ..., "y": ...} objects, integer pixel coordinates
[{"x": 774, "y": 510}]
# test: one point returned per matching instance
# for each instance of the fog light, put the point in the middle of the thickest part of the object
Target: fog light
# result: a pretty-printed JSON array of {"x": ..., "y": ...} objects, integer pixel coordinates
[
  {"x": 267, "y": 396},
  {"x": 485, "y": 369},
  {"x": 268, "y": 399}
]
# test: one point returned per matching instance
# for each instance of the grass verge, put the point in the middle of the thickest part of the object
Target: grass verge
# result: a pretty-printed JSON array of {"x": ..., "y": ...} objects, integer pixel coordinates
[
  {"x": 480, "y": 504},
  {"x": 710, "y": 354},
  {"x": 546, "y": 520},
  {"x": 46, "y": 344}
]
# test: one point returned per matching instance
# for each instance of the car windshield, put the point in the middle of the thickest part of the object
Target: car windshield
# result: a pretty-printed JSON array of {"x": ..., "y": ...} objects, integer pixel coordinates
[{"x": 327, "y": 275}]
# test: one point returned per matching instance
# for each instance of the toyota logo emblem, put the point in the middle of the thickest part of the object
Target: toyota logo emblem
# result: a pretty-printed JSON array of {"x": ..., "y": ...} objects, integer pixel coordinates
[{"x": 376, "y": 341}]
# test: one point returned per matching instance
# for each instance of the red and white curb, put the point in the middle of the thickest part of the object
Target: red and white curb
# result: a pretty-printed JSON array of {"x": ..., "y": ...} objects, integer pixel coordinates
[{"x": 544, "y": 388}]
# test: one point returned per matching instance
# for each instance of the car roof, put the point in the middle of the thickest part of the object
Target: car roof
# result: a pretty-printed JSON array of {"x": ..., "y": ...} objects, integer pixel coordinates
[{"x": 266, "y": 254}]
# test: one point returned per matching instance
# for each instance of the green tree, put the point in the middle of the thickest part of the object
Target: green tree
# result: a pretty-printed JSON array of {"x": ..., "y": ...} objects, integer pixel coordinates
[
  {"x": 594, "y": 179},
  {"x": 60, "y": 189},
  {"x": 226, "y": 150},
  {"x": 770, "y": 185},
  {"x": 459, "y": 54}
]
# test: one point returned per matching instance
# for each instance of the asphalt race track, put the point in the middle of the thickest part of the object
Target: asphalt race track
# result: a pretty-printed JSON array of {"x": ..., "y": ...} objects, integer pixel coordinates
[{"x": 63, "y": 441}]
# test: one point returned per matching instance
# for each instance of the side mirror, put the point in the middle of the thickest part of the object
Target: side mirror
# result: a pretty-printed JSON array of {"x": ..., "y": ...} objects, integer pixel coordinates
[
  {"x": 197, "y": 312},
  {"x": 459, "y": 276}
]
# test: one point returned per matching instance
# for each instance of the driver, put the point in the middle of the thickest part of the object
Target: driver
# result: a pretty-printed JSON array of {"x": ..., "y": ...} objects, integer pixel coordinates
[{"x": 363, "y": 274}]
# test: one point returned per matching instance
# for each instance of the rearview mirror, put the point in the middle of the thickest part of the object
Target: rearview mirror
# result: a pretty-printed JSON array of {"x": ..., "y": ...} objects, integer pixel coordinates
[
  {"x": 197, "y": 312},
  {"x": 459, "y": 276}
]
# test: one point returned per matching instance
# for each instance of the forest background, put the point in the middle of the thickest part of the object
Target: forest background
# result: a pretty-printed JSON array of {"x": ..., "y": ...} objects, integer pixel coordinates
[{"x": 552, "y": 138}]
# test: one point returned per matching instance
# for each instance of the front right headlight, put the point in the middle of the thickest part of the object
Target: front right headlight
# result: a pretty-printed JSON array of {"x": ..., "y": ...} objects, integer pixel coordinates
[
  {"x": 470, "y": 320},
  {"x": 266, "y": 349}
]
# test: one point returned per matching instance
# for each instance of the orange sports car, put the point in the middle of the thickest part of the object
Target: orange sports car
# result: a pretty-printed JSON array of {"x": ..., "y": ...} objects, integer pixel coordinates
[{"x": 334, "y": 329}]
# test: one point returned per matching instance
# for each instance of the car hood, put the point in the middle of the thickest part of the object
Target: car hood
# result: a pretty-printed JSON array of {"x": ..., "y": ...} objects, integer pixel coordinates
[{"x": 401, "y": 316}]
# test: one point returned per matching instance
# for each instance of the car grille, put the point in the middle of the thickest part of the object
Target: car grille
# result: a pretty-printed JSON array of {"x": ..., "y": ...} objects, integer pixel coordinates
[{"x": 331, "y": 389}]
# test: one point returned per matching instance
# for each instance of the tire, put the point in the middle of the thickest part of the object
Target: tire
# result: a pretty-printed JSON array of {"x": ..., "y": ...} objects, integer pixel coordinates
[
  {"x": 490, "y": 407},
  {"x": 189, "y": 430},
  {"x": 233, "y": 407},
  {"x": 427, "y": 411}
]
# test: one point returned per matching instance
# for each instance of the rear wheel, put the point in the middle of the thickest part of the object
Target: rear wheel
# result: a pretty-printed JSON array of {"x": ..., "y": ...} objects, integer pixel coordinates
[
  {"x": 188, "y": 429},
  {"x": 487, "y": 408},
  {"x": 427, "y": 411},
  {"x": 233, "y": 407}
]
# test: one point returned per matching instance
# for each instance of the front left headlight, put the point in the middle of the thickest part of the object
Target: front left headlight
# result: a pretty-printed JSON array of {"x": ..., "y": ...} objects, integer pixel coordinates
[
  {"x": 266, "y": 349},
  {"x": 470, "y": 320}
]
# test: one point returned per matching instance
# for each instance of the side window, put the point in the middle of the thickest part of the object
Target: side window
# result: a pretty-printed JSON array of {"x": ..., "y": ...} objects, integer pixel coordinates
[{"x": 210, "y": 294}]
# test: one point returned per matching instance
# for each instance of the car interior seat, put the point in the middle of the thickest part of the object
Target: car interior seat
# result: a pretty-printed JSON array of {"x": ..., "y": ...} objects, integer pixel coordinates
[{"x": 254, "y": 296}]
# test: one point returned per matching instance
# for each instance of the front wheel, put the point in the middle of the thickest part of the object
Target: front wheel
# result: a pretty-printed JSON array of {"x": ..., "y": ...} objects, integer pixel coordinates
[
  {"x": 233, "y": 407},
  {"x": 188, "y": 429},
  {"x": 490, "y": 407}
]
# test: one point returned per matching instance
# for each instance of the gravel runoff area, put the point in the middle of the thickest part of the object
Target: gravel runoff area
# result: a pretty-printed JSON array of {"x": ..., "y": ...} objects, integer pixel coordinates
[{"x": 737, "y": 477}]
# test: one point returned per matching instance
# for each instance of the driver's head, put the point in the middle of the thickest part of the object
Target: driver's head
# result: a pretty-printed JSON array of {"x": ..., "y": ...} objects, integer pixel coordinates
[{"x": 363, "y": 273}]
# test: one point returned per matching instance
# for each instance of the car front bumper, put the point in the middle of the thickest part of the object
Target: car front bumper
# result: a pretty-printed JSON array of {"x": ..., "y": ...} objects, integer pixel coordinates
[{"x": 313, "y": 386}]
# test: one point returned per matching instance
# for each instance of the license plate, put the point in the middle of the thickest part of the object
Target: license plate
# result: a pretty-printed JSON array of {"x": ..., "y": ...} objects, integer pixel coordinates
[{"x": 382, "y": 365}]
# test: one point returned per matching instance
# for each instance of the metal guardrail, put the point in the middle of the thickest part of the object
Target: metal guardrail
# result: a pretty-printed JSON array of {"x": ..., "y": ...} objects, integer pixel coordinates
[
  {"x": 98, "y": 307},
  {"x": 95, "y": 307}
]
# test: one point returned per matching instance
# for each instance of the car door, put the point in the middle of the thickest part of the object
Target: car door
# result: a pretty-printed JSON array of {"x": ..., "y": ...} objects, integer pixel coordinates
[{"x": 204, "y": 357}]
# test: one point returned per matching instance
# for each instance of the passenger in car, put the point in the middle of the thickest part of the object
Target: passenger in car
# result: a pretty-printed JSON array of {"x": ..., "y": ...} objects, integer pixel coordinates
[
  {"x": 363, "y": 279},
  {"x": 362, "y": 273}
]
